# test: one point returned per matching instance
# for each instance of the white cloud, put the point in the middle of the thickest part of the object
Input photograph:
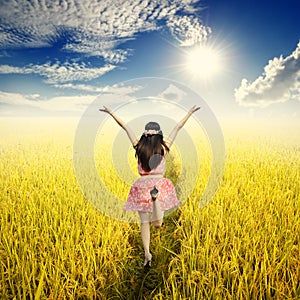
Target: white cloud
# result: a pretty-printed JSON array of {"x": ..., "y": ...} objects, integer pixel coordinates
[
  {"x": 173, "y": 93},
  {"x": 59, "y": 73},
  {"x": 15, "y": 102},
  {"x": 113, "y": 89},
  {"x": 94, "y": 27},
  {"x": 80, "y": 87},
  {"x": 22, "y": 102},
  {"x": 280, "y": 82},
  {"x": 188, "y": 30},
  {"x": 6, "y": 69}
]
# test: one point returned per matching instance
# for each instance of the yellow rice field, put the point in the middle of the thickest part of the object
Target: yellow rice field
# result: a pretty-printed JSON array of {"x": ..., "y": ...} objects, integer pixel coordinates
[{"x": 55, "y": 245}]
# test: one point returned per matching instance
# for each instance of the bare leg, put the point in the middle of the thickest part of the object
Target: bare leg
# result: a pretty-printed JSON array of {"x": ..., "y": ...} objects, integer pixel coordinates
[
  {"x": 157, "y": 214},
  {"x": 145, "y": 234}
]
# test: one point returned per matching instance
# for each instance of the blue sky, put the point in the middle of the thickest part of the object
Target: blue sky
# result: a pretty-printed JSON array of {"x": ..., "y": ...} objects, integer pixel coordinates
[{"x": 57, "y": 56}]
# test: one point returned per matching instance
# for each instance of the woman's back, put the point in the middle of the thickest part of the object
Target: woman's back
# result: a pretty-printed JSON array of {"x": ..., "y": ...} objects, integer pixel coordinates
[{"x": 158, "y": 170}]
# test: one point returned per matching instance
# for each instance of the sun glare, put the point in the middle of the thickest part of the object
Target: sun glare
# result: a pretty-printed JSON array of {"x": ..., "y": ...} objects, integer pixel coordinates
[{"x": 203, "y": 62}]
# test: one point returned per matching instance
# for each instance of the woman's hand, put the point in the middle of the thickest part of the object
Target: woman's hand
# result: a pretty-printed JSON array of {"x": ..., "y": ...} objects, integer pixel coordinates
[
  {"x": 193, "y": 109},
  {"x": 105, "y": 109}
]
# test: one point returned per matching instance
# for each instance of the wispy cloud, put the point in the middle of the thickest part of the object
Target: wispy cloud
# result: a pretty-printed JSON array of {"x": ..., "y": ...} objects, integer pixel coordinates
[
  {"x": 59, "y": 73},
  {"x": 95, "y": 27},
  {"x": 188, "y": 30},
  {"x": 19, "y": 103},
  {"x": 4, "y": 53},
  {"x": 173, "y": 93},
  {"x": 109, "y": 89},
  {"x": 280, "y": 82},
  {"x": 80, "y": 87}
]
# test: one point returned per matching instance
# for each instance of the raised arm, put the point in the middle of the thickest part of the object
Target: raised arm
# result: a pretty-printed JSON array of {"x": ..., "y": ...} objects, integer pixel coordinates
[
  {"x": 129, "y": 132},
  {"x": 176, "y": 129}
]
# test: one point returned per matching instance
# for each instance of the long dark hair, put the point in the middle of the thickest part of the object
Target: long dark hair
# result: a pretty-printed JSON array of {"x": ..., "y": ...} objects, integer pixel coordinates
[{"x": 151, "y": 148}]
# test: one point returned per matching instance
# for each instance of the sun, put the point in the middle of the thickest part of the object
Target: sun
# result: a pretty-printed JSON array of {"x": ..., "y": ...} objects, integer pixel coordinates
[{"x": 203, "y": 62}]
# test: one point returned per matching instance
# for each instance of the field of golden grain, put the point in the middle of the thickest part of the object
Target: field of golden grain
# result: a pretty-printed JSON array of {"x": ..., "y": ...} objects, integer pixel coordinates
[{"x": 55, "y": 245}]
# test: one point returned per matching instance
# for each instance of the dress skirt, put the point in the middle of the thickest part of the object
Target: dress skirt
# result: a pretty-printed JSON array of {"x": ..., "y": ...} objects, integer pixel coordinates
[{"x": 139, "y": 198}]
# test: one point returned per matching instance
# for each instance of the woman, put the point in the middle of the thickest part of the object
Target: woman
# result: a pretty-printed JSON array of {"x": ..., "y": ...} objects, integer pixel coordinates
[{"x": 151, "y": 193}]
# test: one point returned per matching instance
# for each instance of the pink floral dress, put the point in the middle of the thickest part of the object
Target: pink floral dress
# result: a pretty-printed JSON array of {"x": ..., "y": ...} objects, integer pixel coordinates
[{"x": 139, "y": 198}]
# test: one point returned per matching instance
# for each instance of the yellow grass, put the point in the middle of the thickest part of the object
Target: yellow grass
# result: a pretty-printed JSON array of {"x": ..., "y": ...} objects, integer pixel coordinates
[{"x": 55, "y": 245}]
